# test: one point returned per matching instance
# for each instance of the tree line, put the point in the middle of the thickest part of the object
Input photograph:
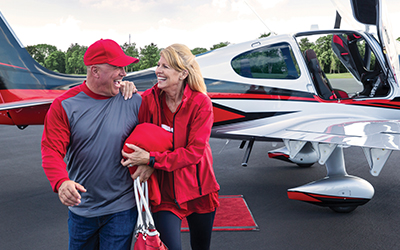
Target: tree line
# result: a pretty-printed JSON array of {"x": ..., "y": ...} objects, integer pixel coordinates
[{"x": 71, "y": 61}]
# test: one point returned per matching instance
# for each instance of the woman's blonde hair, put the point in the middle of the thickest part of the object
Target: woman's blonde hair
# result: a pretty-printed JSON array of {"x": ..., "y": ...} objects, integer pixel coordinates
[{"x": 180, "y": 58}]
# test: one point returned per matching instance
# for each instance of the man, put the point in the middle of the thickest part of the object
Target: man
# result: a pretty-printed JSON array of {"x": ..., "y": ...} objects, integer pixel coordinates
[{"x": 87, "y": 126}]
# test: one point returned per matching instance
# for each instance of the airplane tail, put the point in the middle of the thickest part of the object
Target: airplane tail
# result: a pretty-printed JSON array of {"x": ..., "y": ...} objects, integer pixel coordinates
[{"x": 26, "y": 87}]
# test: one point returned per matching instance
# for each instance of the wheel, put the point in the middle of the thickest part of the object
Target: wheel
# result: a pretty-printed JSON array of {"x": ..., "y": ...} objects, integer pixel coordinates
[
  {"x": 305, "y": 165},
  {"x": 347, "y": 209}
]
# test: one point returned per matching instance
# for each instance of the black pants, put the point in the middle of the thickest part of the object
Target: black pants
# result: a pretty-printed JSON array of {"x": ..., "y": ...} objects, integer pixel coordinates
[{"x": 200, "y": 227}]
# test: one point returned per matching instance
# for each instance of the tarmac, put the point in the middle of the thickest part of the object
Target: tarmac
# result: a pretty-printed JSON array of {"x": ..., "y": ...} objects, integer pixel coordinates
[{"x": 32, "y": 217}]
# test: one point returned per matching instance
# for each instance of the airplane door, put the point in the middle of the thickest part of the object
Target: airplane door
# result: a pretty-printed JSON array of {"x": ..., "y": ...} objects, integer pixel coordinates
[{"x": 373, "y": 12}]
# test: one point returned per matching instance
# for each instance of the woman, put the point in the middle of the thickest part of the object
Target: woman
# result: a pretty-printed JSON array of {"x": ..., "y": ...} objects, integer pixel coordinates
[{"x": 179, "y": 104}]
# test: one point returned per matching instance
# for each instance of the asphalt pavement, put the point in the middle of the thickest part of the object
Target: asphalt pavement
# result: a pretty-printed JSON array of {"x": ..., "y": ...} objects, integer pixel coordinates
[{"x": 32, "y": 217}]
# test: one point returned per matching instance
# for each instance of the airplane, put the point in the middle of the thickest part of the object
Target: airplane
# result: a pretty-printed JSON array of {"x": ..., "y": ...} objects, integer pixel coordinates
[{"x": 268, "y": 90}]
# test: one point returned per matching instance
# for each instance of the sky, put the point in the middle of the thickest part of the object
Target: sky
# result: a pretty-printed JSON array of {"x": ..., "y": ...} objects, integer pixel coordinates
[{"x": 196, "y": 23}]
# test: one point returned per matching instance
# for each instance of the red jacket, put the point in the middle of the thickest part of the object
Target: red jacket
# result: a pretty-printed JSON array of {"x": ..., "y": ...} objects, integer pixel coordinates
[{"x": 191, "y": 157}]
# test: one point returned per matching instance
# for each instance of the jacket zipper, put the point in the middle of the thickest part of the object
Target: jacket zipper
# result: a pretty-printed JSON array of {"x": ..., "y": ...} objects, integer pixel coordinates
[
  {"x": 173, "y": 141},
  {"x": 173, "y": 148},
  {"x": 198, "y": 179}
]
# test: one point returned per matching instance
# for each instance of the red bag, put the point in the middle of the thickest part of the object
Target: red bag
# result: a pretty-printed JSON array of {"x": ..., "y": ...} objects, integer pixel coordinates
[
  {"x": 147, "y": 236},
  {"x": 147, "y": 242},
  {"x": 150, "y": 137}
]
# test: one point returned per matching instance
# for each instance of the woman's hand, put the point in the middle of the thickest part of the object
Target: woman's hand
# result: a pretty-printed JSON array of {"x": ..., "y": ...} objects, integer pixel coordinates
[
  {"x": 136, "y": 158},
  {"x": 127, "y": 89},
  {"x": 144, "y": 172}
]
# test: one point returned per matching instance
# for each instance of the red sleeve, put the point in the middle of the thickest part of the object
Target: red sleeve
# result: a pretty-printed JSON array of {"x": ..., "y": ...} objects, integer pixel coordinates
[
  {"x": 55, "y": 139},
  {"x": 198, "y": 136}
]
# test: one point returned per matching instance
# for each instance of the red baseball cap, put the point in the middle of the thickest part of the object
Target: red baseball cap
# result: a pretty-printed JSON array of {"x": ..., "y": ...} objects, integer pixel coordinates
[{"x": 107, "y": 51}]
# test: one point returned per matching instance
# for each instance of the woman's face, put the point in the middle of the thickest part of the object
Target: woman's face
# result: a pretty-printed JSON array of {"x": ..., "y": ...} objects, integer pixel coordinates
[{"x": 168, "y": 78}]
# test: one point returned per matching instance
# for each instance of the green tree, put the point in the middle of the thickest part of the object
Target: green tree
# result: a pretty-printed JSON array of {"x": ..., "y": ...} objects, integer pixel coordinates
[
  {"x": 149, "y": 56},
  {"x": 35, "y": 54},
  {"x": 131, "y": 50},
  {"x": 56, "y": 61},
  {"x": 324, "y": 52},
  {"x": 305, "y": 44},
  {"x": 46, "y": 49},
  {"x": 335, "y": 65},
  {"x": 40, "y": 52},
  {"x": 219, "y": 45},
  {"x": 74, "y": 59},
  {"x": 398, "y": 39},
  {"x": 198, "y": 50}
]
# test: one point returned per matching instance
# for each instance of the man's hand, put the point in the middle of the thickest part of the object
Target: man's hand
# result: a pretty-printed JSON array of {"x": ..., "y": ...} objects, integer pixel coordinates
[
  {"x": 127, "y": 89},
  {"x": 68, "y": 193}
]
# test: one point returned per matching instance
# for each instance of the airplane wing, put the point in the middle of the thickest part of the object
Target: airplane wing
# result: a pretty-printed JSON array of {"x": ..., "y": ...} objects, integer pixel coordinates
[
  {"x": 384, "y": 134},
  {"x": 25, "y": 104},
  {"x": 325, "y": 128},
  {"x": 377, "y": 138}
]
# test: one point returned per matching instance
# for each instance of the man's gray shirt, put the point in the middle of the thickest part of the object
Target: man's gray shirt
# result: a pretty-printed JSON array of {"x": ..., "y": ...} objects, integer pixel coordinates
[{"x": 98, "y": 129}]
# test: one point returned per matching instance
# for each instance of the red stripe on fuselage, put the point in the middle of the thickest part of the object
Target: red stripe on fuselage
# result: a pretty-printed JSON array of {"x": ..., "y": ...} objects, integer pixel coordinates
[
  {"x": 220, "y": 114},
  {"x": 9, "y": 65},
  {"x": 378, "y": 103}
]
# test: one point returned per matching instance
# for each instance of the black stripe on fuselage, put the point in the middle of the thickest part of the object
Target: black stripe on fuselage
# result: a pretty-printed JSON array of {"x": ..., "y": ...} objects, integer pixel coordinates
[{"x": 246, "y": 116}]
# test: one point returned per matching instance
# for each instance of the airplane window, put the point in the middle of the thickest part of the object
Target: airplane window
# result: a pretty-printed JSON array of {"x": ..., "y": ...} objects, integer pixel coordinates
[{"x": 268, "y": 62}]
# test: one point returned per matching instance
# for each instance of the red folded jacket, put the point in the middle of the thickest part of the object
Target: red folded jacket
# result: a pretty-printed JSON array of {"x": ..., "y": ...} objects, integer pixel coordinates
[{"x": 150, "y": 137}]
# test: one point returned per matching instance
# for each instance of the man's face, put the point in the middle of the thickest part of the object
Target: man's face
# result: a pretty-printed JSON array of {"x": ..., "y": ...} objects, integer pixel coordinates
[{"x": 109, "y": 78}]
